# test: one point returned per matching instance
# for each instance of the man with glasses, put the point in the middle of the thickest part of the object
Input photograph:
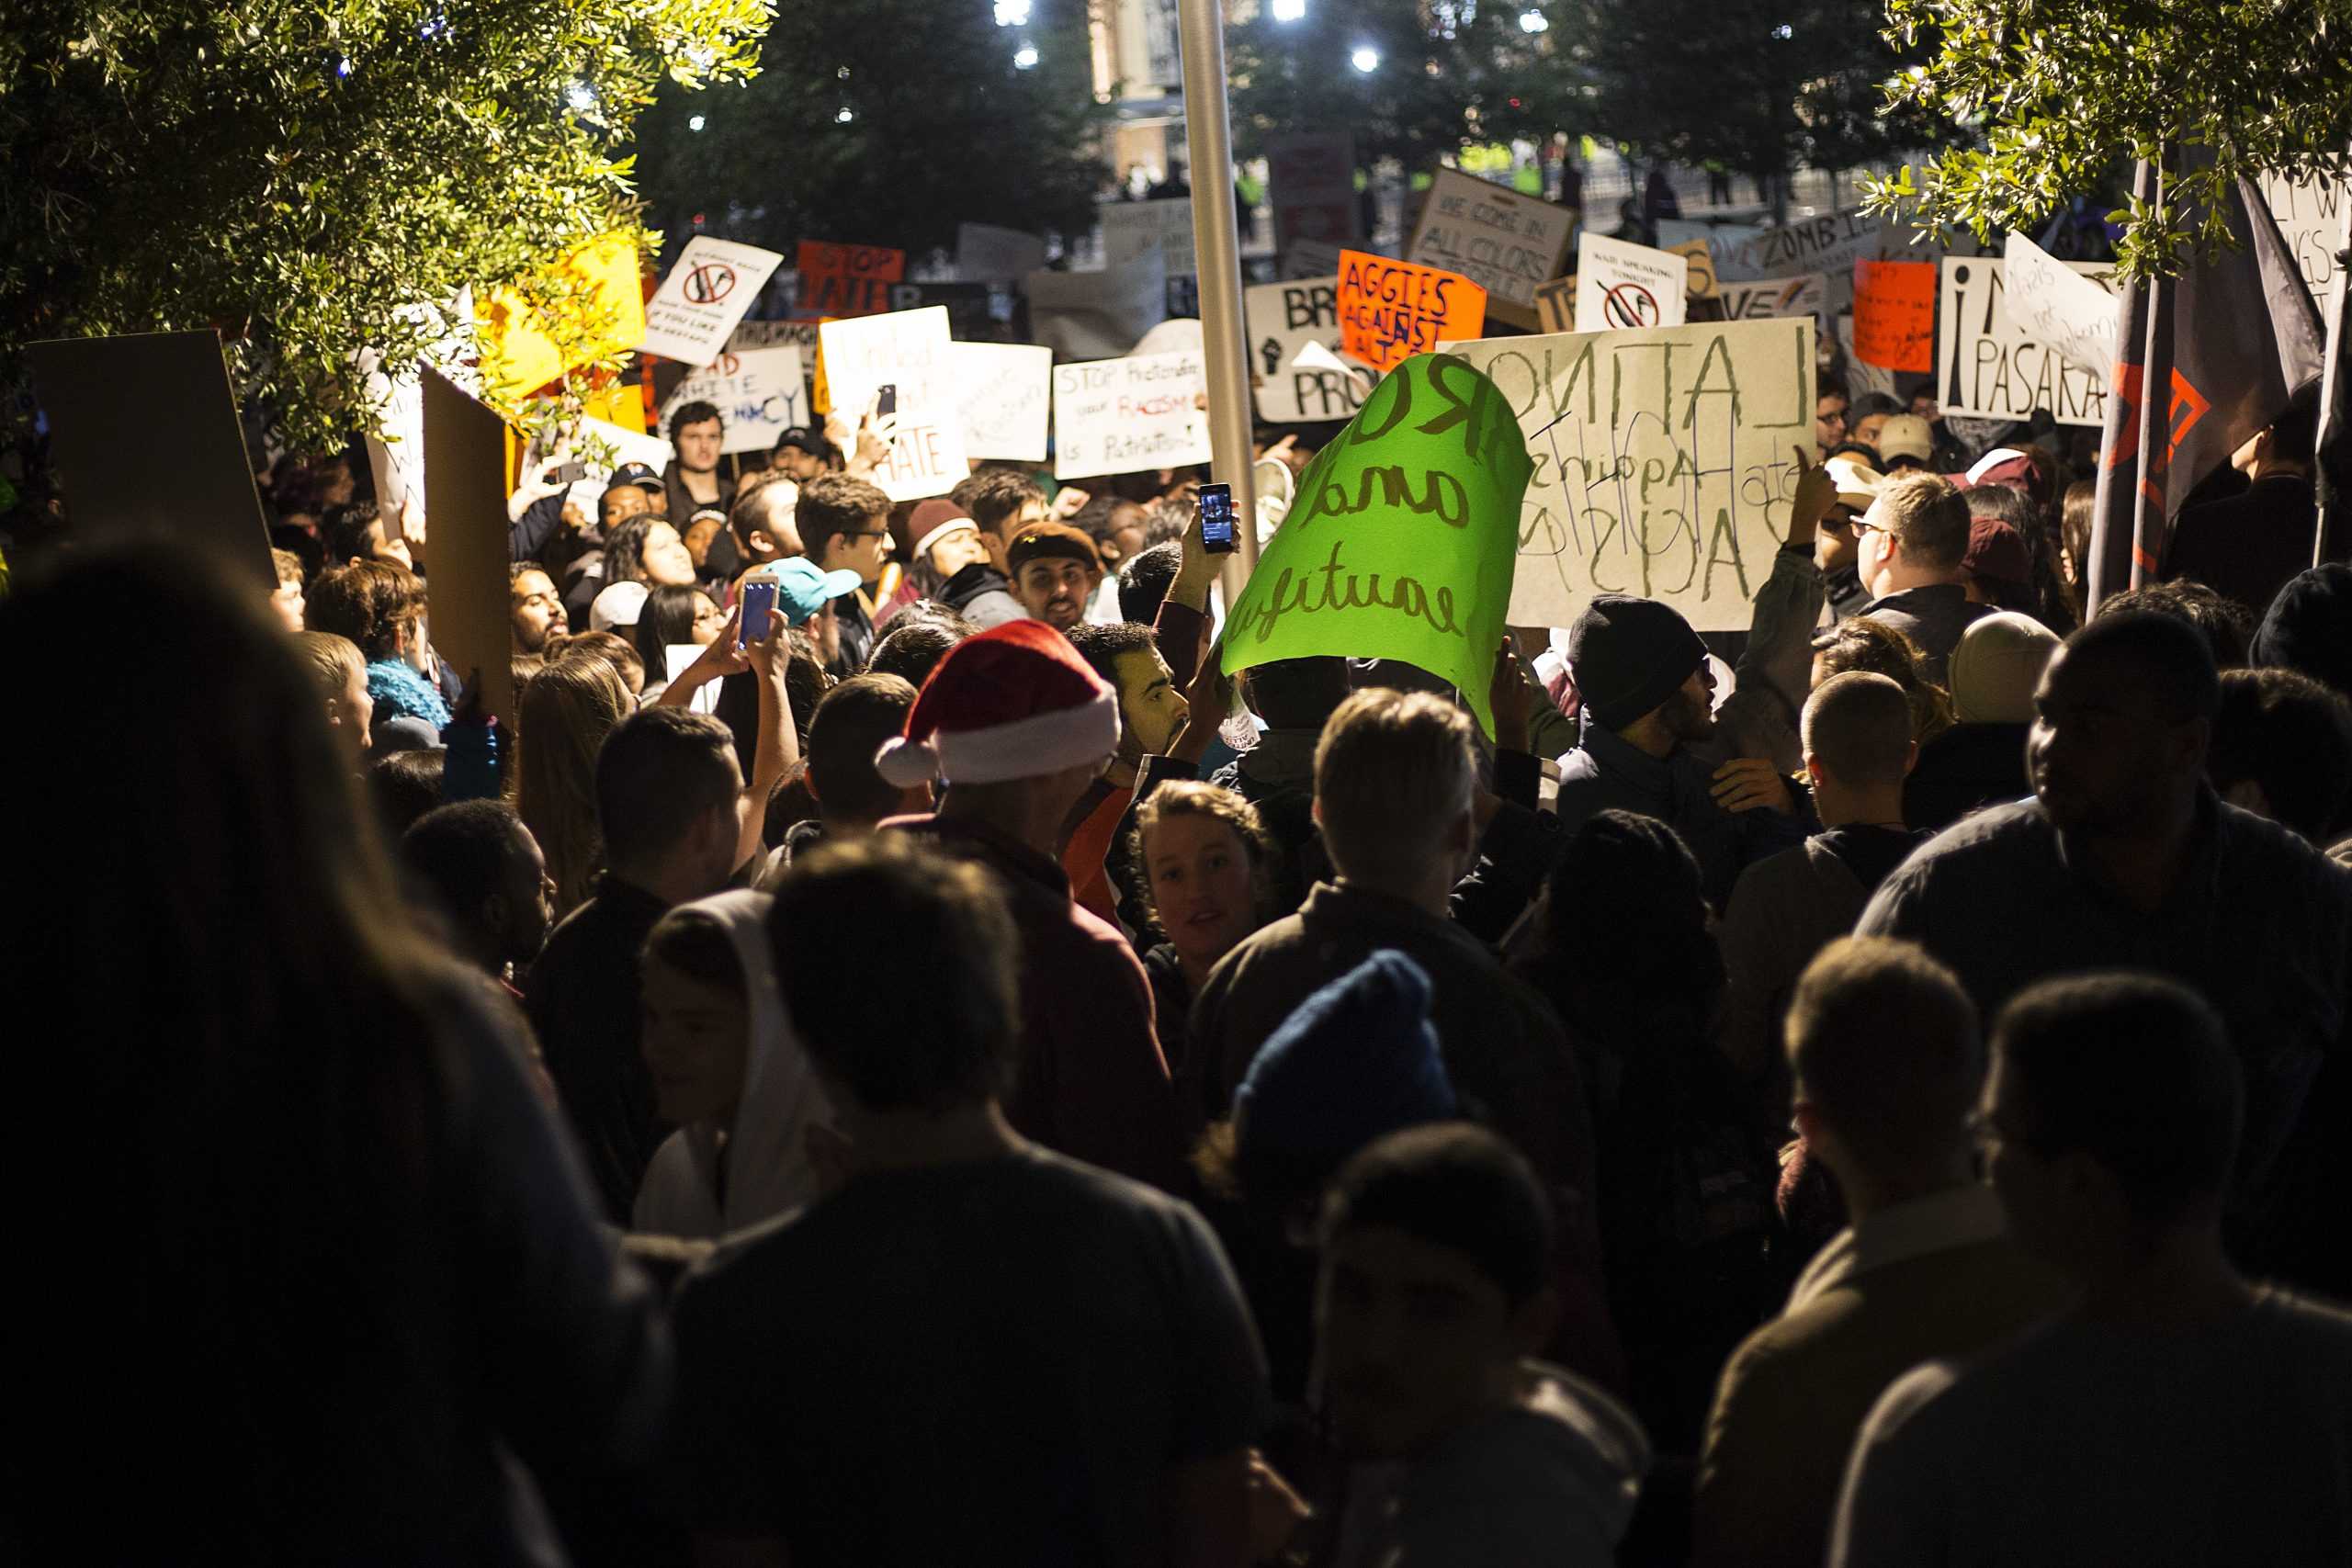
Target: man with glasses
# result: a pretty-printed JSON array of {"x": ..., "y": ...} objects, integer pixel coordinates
[{"x": 845, "y": 525}]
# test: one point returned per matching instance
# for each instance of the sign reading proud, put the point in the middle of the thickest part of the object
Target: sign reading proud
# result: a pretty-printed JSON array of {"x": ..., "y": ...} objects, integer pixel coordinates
[{"x": 1390, "y": 311}]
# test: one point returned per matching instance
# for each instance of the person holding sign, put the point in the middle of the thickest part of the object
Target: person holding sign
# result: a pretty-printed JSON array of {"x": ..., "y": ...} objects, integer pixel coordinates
[{"x": 692, "y": 480}]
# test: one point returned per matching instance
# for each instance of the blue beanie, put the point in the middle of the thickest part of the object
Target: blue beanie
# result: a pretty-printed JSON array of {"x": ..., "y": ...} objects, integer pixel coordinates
[{"x": 1358, "y": 1059}]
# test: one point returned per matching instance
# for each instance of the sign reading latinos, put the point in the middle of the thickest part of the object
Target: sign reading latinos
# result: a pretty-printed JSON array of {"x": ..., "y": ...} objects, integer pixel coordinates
[
  {"x": 1663, "y": 462},
  {"x": 1988, "y": 367},
  {"x": 1390, "y": 311},
  {"x": 847, "y": 280},
  {"x": 1403, "y": 537},
  {"x": 1894, "y": 314},
  {"x": 710, "y": 289}
]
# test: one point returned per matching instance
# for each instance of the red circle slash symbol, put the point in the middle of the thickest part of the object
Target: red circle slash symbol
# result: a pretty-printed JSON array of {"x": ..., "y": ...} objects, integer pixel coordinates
[
  {"x": 1629, "y": 305},
  {"x": 709, "y": 283}
]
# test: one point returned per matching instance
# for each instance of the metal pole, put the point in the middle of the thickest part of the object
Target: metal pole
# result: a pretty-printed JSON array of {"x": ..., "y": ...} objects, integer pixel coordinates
[{"x": 1217, "y": 245}]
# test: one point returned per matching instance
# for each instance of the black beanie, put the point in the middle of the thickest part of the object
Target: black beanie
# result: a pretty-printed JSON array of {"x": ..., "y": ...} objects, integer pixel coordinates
[
  {"x": 2309, "y": 628},
  {"x": 1629, "y": 655}
]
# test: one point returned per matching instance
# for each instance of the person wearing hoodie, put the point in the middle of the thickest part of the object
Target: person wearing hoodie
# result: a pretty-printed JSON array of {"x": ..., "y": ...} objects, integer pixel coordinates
[
  {"x": 726, "y": 1071},
  {"x": 1980, "y": 760}
]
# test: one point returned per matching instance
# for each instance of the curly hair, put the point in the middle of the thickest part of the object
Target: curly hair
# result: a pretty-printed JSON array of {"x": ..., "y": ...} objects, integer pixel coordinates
[
  {"x": 370, "y": 602},
  {"x": 1877, "y": 648},
  {"x": 1190, "y": 797}
]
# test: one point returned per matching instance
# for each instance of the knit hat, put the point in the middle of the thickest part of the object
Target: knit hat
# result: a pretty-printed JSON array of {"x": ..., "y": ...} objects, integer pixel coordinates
[
  {"x": 1042, "y": 541},
  {"x": 1997, "y": 666},
  {"x": 2309, "y": 627},
  {"x": 1358, "y": 1059},
  {"x": 1015, "y": 702},
  {"x": 1907, "y": 435},
  {"x": 932, "y": 521},
  {"x": 2024, "y": 469},
  {"x": 1629, "y": 656}
]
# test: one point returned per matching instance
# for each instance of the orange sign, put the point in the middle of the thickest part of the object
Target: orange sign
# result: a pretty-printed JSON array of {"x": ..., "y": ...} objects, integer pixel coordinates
[
  {"x": 1390, "y": 311},
  {"x": 847, "y": 280},
  {"x": 1894, "y": 314}
]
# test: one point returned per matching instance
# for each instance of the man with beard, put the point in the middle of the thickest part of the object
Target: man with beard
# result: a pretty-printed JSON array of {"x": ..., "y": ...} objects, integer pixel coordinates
[{"x": 1055, "y": 571}]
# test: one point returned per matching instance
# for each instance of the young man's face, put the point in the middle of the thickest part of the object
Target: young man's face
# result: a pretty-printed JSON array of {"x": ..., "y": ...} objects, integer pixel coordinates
[
  {"x": 1055, "y": 589},
  {"x": 529, "y": 898},
  {"x": 389, "y": 548},
  {"x": 1413, "y": 1339},
  {"x": 348, "y": 715},
  {"x": 802, "y": 465},
  {"x": 1866, "y": 429},
  {"x": 863, "y": 551},
  {"x": 1833, "y": 541},
  {"x": 698, "y": 445},
  {"x": 287, "y": 602},
  {"x": 1029, "y": 511},
  {"x": 534, "y": 609},
  {"x": 1148, "y": 702},
  {"x": 695, "y": 1039},
  {"x": 2104, "y": 755},
  {"x": 622, "y": 503},
  {"x": 1829, "y": 421}
]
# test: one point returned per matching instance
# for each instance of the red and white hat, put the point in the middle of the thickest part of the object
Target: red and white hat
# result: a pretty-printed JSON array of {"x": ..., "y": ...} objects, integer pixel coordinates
[{"x": 1015, "y": 702}]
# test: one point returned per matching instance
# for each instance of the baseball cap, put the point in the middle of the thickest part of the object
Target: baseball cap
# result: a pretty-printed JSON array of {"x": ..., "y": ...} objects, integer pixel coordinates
[
  {"x": 803, "y": 589},
  {"x": 1907, "y": 435},
  {"x": 805, "y": 438},
  {"x": 638, "y": 474},
  {"x": 1857, "y": 482}
]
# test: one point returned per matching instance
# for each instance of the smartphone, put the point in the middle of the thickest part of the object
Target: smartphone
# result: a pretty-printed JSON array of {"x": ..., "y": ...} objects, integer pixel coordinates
[
  {"x": 565, "y": 474},
  {"x": 759, "y": 604},
  {"x": 1216, "y": 519},
  {"x": 886, "y": 400}
]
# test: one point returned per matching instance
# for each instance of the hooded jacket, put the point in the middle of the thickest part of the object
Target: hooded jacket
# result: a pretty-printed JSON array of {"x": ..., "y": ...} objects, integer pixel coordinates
[{"x": 766, "y": 1149}]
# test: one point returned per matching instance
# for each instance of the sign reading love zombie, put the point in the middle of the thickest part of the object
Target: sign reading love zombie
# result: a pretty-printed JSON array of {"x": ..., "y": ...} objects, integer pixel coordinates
[
  {"x": 847, "y": 280},
  {"x": 1402, "y": 541},
  {"x": 1390, "y": 311},
  {"x": 709, "y": 291},
  {"x": 1662, "y": 462}
]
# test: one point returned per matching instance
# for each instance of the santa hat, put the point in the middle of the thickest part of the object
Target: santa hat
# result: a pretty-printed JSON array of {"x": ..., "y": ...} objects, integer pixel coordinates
[{"x": 1016, "y": 702}]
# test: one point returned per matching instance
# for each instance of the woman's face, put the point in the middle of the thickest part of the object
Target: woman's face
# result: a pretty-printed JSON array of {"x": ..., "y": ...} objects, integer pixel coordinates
[
  {"x": 667, "y": 563},
  {"x": 709, "y": 620},
  {"x": 694, "y": 1042},
  {"x": 1200, "y": 885},
  {"x": 956, "y": 552}
]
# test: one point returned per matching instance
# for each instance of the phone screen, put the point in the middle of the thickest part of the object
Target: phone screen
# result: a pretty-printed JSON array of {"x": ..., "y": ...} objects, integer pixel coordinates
[
  {"x": 1216, "y": 519},
  {"x": 759, "y": 604},
  {"x": 886, "y": 400}
]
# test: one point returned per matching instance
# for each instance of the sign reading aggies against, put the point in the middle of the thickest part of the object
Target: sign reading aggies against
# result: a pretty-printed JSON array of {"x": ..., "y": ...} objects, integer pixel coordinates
[
  {"x": 758, "y": 393},
  {"x": 847, "y": 280},
  {"x": 1988, "y": 368},
  {"x": 706, "y": 294},
  {"x": 1113, "y": 416},
  {"x": 1506, "y": 244},
  {"x": 1311, "y": 181},
  {"x": 907, "y": 351},
  {"x": 1621, "y": 285},
  {"x": 1391, "y": 310},
  {"x": 2054, "y": 302},
  {"x": 1284, "y": 318},
  {"x": 1763, "y": 298},
  {"x": 1662, "y": 462},
  {"x": 1894, "y": 314},
  {"x": 1001, "y": 393},
  {"x": 2310, "y": 215}
]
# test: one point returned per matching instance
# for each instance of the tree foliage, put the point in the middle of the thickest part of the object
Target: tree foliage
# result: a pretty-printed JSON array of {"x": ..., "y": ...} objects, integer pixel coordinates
[
  {"x": 304, "y": 174},
  {"x": 2065, "y": 89}
]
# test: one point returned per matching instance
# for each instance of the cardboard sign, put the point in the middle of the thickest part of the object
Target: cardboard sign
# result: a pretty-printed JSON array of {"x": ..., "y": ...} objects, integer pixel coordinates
[
  {"x": 1989, "y": 367},
  {"x": 1663, "y": 462},
  {"x": 2310, "y": 215},
  {"x": 1132, "y": 228},
  {"x": 1391, "y": 310},
  {"x": 1096, "y": 315},
  {"x": 801, "y": 335},
  {"x": 190, "y": 482},
  {"x": 907, "y": 350},
  {"x": 1556, "y": 304},
  {"x": 1828, "y": 244},
  {"x": 1309, "y": 258},
  {"x": 715, "y": 282},
  {"x": 1116, "y": 416},
  {"x": 966, "y": 304},
  {"x": 758, "y": 393},
  {"x": 2058, "y": 305},
  {"x": 1702, "y": 262},
  {"x": 1894, "y": 314},
  {"x": 519, "y": 352},
  {"x": 847, "y": 280},
  {"x": 1505, "y": 242},
  {"x": 987, "y": 253},
  {"x": 1002, "y": 392},
  {"x": 1311, "y": 185},
  {"x": 1285, "y": 318},
  {"x": 465, "y": 502},
  {"x": 1621, "y": 285},
  {"x": 1764, "y": 298}
]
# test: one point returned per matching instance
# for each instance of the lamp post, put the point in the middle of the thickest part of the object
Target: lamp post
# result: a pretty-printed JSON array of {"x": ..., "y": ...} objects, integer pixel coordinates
[{"x": 1216, "y": 247}]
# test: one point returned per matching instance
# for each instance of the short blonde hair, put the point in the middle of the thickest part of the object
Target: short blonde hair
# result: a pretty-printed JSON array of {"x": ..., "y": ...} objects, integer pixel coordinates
[
  {"x": 288, "y": 565},
  {"x": 1928, "y": 517},
  {"x": 333, "y": 661},
  {"x": 1393, "y": 774}
]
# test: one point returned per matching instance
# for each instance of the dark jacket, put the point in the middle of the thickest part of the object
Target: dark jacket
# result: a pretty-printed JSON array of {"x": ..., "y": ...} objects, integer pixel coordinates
[
  {"x": 682, "y": 505},
  {"x": 983, "y": 595},
  {"x": 1934, "y": 616},
  {"x": 1606, "y": 773},
  {"x": 1966, "y": 767},
  {"x": 2247, "y": 546}
]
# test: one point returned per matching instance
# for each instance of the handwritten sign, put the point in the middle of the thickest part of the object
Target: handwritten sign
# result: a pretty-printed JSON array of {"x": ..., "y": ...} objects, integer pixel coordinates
[
  {"x": 1311, "y": 185},
  {"x": 1702, "y": 281},
  {"x": 1894, "y": 314},
  {"x": 2058, "y": 305},
  {"x": 1988, "y": 367},
  {"x": 519, "y": 352},
  {"x": 987, "y": 253},
  {"x": 713, "y": 283},
  {"x": 1115, "y": 416},
  {"x": 1402, "y": 539},
  {"x": 1662, "y": 462},
  {"x": 1556, "y": 304},
  {"x": 2310, "y": 214},
  {"x": 907, "y": 350},
  {"x": 1505, "y": 242},
  {"x": 1391, "y": 310},
  {"x": 1308, "y": 258},
  {"x": 801, "y": 335},
  {"x": 759, "y": 394},
  {"x": 1283, "y": 318},
  {"x": 847, "y": 280},
  {"x": 1828, "y": 244},
  {"x": 1621, "y": 285},
  {"x": 1132, "y": 228},
  {"x": 1001, "y": 391},
  {"x": 1763, "y": 298},
  {"x": 1096, "y": 315}
]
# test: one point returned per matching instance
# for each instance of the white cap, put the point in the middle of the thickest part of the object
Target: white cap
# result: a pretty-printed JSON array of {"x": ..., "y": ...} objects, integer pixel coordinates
[{"x": 618, "y": 605}]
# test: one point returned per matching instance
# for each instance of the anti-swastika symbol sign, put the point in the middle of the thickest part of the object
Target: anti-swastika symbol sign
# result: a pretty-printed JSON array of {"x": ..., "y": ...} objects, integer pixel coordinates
[{"x": 709, "y": 283}]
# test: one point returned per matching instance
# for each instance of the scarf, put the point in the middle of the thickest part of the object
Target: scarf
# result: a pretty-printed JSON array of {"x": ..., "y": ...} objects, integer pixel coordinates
[{"x": 398, "y": 690}]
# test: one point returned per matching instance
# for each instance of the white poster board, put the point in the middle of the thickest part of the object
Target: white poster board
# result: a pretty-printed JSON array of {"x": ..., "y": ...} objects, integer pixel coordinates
[
  {"x": 987, "y": 253},
  {"x": 801, "y": 335},
  {"x": 1096, "y": 315},
  {"x": 715, "y": 282},
  {"x": 1285, "y": 318},
  {"x": 1767, "y": 298},
  {"x": 1828, "y": 244},
  {"x": 1989, "y": 367},
  {"x": 2056, "y": 304},
  {"x": 760, "y": 393},
  {"x": 1002, "y": 392},
  {"x": 2310, "y": 214},
  {"x": 1505, "y": 242},
  {"x": 1663, "y": 462},
  {"x": 1116, "y": 416},
  {"x": 1130, "y": 229},
  {"x": 907, "y": 350},
  {"x": 1621, "y": 285}
]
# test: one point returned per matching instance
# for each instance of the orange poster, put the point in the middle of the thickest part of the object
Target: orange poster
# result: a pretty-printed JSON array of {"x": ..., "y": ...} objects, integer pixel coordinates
[
  {"x": 1390, "y": 311},
  {"x": 847, "y": 280},
  {"x": 1894, "y": 314}
]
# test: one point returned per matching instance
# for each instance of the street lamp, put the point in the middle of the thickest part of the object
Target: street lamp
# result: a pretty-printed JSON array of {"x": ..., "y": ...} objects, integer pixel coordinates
[
  {"x": 1289, "y": 10},
  {"x": 1532, "y": 21},
  {"x": 1366, "y": 58},
  {"x": 694, "y": 122},
  {"x": 1025, "y": 57},
  {"x": 1013, "y": 13}
]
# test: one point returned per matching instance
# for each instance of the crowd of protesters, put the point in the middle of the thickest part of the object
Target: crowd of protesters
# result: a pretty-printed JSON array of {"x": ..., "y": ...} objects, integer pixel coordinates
[{"x": 933, "y": 1072}]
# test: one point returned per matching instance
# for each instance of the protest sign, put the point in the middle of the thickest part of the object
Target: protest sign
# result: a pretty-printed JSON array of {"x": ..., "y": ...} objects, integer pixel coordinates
[
  {"x": 1000, "y": 398},
  {"x": 465, "y": 503},
  {"x": 1556, "y": 304},
  {"x": 966, "y": 304},
  {"x": 603, "y": 305},
  {"x": 1132, "y": 228},
  {"x": 801, "y": 335},
  {"x": 1663, "y": 462},
  {"x": 1621, "y": 285},
  {"x": 847, "y": 280},
  {"x": 759, "y": 394},
  {"x": 1402, "y": 541},
  {"x": 1505, "y": 242},
  {"x": 1097, "y": 315},
  {"x": 603, "y": 447},
  {"x": 2310, "y": 215},
  {"x": 1828, "y": 244},
  {"x": 1283, "y": 319},
  {"x": 1989, "y": 367},
  {"x": 2052, "y": 302},
  {"x": 1311, "y": 185},
  {"x": 1308, "y": 258},
  {"x": 908, "y": 351},
  {"x": 715, "y": 282},
  {"x": 1894, "y": 314},
  {"x": 1113, "y": 416},
  {"x": 986, "y": 254},
  {"x": 1391, "y": 310},
  {"x": 1765, "y": 297},
  {"x": 190, "y": 482},
  {"x": 1701, "y": 261}
]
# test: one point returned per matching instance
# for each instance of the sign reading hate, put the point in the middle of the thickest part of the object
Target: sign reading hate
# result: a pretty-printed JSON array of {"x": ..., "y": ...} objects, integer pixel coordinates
[
  {"x": 907, "y": 351},
  {"x": 1662, "y": 462},
  {"x": 1507, "y": 244},
  {"x": 1990, "y": 367},
  {"x": 713, "y": 283},
  {"x": 1391, "y": 310},
  {"x": 1112, "y": 416},
  {"x": 1283, "y": 318}
]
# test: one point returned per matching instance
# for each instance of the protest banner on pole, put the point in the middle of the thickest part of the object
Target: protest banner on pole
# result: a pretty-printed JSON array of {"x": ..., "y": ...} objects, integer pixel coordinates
[
  {"x": 987, "y": 253},
  {"x": 1112, "y": 416},
  {"x": 1507, "y": 244},
  {"x": 1391, "y": 310},
  {"x": 465, "y": 505},
  {"x": 1828, "y": 244},
  {"x": 2310, "y": 215},
  {"x": 846, "y": 280},
  {"x": 1764, "y": 298},
  {"x": 1002, "y": 392},
  {"x": 2059, "y": 306},
  {"x": 1311, "y": 185},
  {"x": 715, "y": 282},
  {"x": 1894, "y": 314},
  {"x": 1402, "y": 539},
  {"x": 519, "y": 349},
  {"x": 1283, "y": 318},
  {"x": 1098, "y": 315},
  {"x": 1987, "y": 365},
  {"x": 759, "y": 394},
  {"x": 1663, "y": 462},
  {"x": 907, "y": 351},
  {"x": 1622, "y": 285}
]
